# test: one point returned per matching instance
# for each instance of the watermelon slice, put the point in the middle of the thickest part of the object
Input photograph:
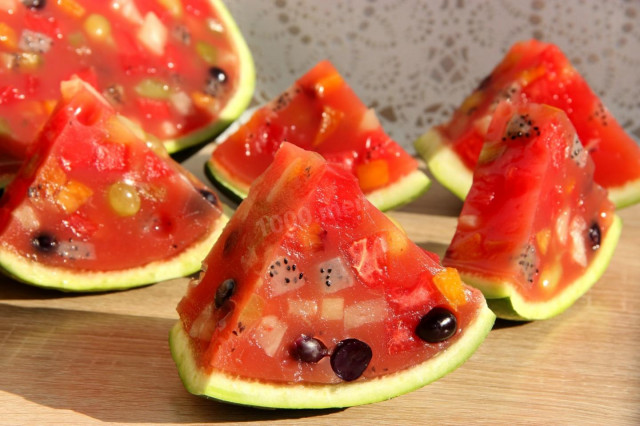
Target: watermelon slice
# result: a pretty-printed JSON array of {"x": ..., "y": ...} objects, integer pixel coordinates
[
  {"x": 96, "y": 208},
  {"x": 321, "y": 113},
  {"x": 179, "y": 68},
  {"x": 535, "y": 72},
  {"x": 312, "y": 298},
  {"x": 535, "y": 231}
]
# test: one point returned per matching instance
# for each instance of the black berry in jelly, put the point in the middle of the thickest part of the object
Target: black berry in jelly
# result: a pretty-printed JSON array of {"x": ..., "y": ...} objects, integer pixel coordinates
[
  {"x": 209, "y": 196},
  {"x": 437, "y": 325},
  {"x": 44, "y": 242},
  {"x": 225, "y": 291},
  {"x": 308, "y": 349},
  {"x": 34, "y": 4},
  {"x": 595, "y": 236},
  {"x": 350, "y": 358},
  {"x": 216, "y": 81}
]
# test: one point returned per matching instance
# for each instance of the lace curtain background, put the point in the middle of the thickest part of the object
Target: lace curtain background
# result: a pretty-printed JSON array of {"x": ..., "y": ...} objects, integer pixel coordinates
[{"x": 414, "y": 61}]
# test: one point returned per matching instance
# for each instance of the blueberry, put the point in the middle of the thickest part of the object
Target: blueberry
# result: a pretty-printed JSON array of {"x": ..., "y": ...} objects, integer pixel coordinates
[
  {"x": 350, "y": 358},
  {"x": 225, "y": 291},
  {"x": 44, "y": 242},
  {"x": 308, "y": 349},
  {"x": 437, "y": 325}
]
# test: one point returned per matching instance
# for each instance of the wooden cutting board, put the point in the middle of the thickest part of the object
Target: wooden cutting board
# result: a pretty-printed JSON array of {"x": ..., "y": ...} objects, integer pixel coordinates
[{"x": 105, "y": 357}]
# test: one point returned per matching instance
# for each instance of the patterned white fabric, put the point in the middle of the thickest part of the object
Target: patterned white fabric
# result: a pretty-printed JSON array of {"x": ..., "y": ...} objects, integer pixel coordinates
[{"x": 416, "y": 60}]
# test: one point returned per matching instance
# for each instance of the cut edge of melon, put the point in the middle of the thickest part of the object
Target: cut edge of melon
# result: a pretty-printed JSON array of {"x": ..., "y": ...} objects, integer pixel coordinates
[
  {"x": 237, "y": 390},
  {"x": 405, "y": 190},
  {"x": 444, "y": 164},
  {"x": 223, "y": 181},
  {"x": 74, "y": 280},
  {"x": 507, "y": 303},
  {"x": 240, "y": 99}
]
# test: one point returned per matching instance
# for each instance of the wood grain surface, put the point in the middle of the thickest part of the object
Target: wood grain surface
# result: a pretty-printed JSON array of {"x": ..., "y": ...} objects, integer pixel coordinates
[{"x": 95, "y": 358}]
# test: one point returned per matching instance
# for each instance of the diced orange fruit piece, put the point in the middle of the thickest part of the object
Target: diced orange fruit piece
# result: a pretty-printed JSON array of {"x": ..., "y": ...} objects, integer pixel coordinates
[
  {"x": 329, "y": 122},
  {"x": 71, "y": 7},
  {"x": 542, "y": 239},
  {"x": 472, "y": 101},
  {"x": 373, "y": 175},
  {"x": 8, "y": 36},
  {"x": 532, "y": 74},
  {"x": 450, "y": 285},
  {"x": 73, "y": 195},
  {"x": 310, "y": 237},
  {"x": 173, "y": 6},
  {"x": 328, "y": 84},
  {"x": 204, "y": 101},
  {"x": 49, "y": 105},
  {"x": 53, "y": 177}
]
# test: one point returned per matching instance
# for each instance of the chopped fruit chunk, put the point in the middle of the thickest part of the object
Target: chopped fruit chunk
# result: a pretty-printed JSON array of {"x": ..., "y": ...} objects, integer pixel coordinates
[
  {"x": 329, "y": 122},
  {"x": 450, "y": 284},
  {"x": 373, "y": 175},
  {"x": 72, "y": 195},
  {"x": 71, "y": 7}
]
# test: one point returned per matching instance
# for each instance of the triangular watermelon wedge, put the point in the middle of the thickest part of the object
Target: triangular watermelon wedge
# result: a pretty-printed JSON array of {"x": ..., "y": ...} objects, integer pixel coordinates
[
  {"x": 313, "y": 298},
  {"x": 320, "y": 113},
  {"x": 96, "y": 208},
  {"x": 536, "y": 72},
  {"x": 535, "y": 231},
  {"x": 180, "y": 69}
]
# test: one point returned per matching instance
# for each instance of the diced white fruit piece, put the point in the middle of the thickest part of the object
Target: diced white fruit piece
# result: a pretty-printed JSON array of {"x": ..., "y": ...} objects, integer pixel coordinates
[
  {"x": 27, "y": 217},
  {"x": 305, "y": 309},
  {"x": 577, "y": 232},
  {"x": 269, "y": 334},
  {"x": 334, "y": 275},
  {"x": 283, "y": 277},
  {"x": 181, "y": 102},
  {"x": 366, "y": 312},
  {"x": 468, "y": 221},
  {"x": 369, "y": 120},
  {"x": 76, "y": 250},
  {"x": 8, "y": 5},
  {"x": 129, "y": 10},
  {"x": 562, "y": 226},
  {"x": 332, "y": 308},
  {"x": 153, "y": 34},
  {"x": 203, "y": 327}
]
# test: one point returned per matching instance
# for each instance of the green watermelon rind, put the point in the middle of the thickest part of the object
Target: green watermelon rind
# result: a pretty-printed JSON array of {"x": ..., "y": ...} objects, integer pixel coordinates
[
  {"x": 37, "y": 274},
  {"x": 444, "y": 164},
  {"x": 225, "y": 183},
  {"x": 238, "y": 390},
  {"x": 448, "y": 169},
  {"x": 405, "y": 190},
  {"x": 507, "y": 303},
  {"x": 626, "y": 195},
  {"x": 241, "y": 98}
]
